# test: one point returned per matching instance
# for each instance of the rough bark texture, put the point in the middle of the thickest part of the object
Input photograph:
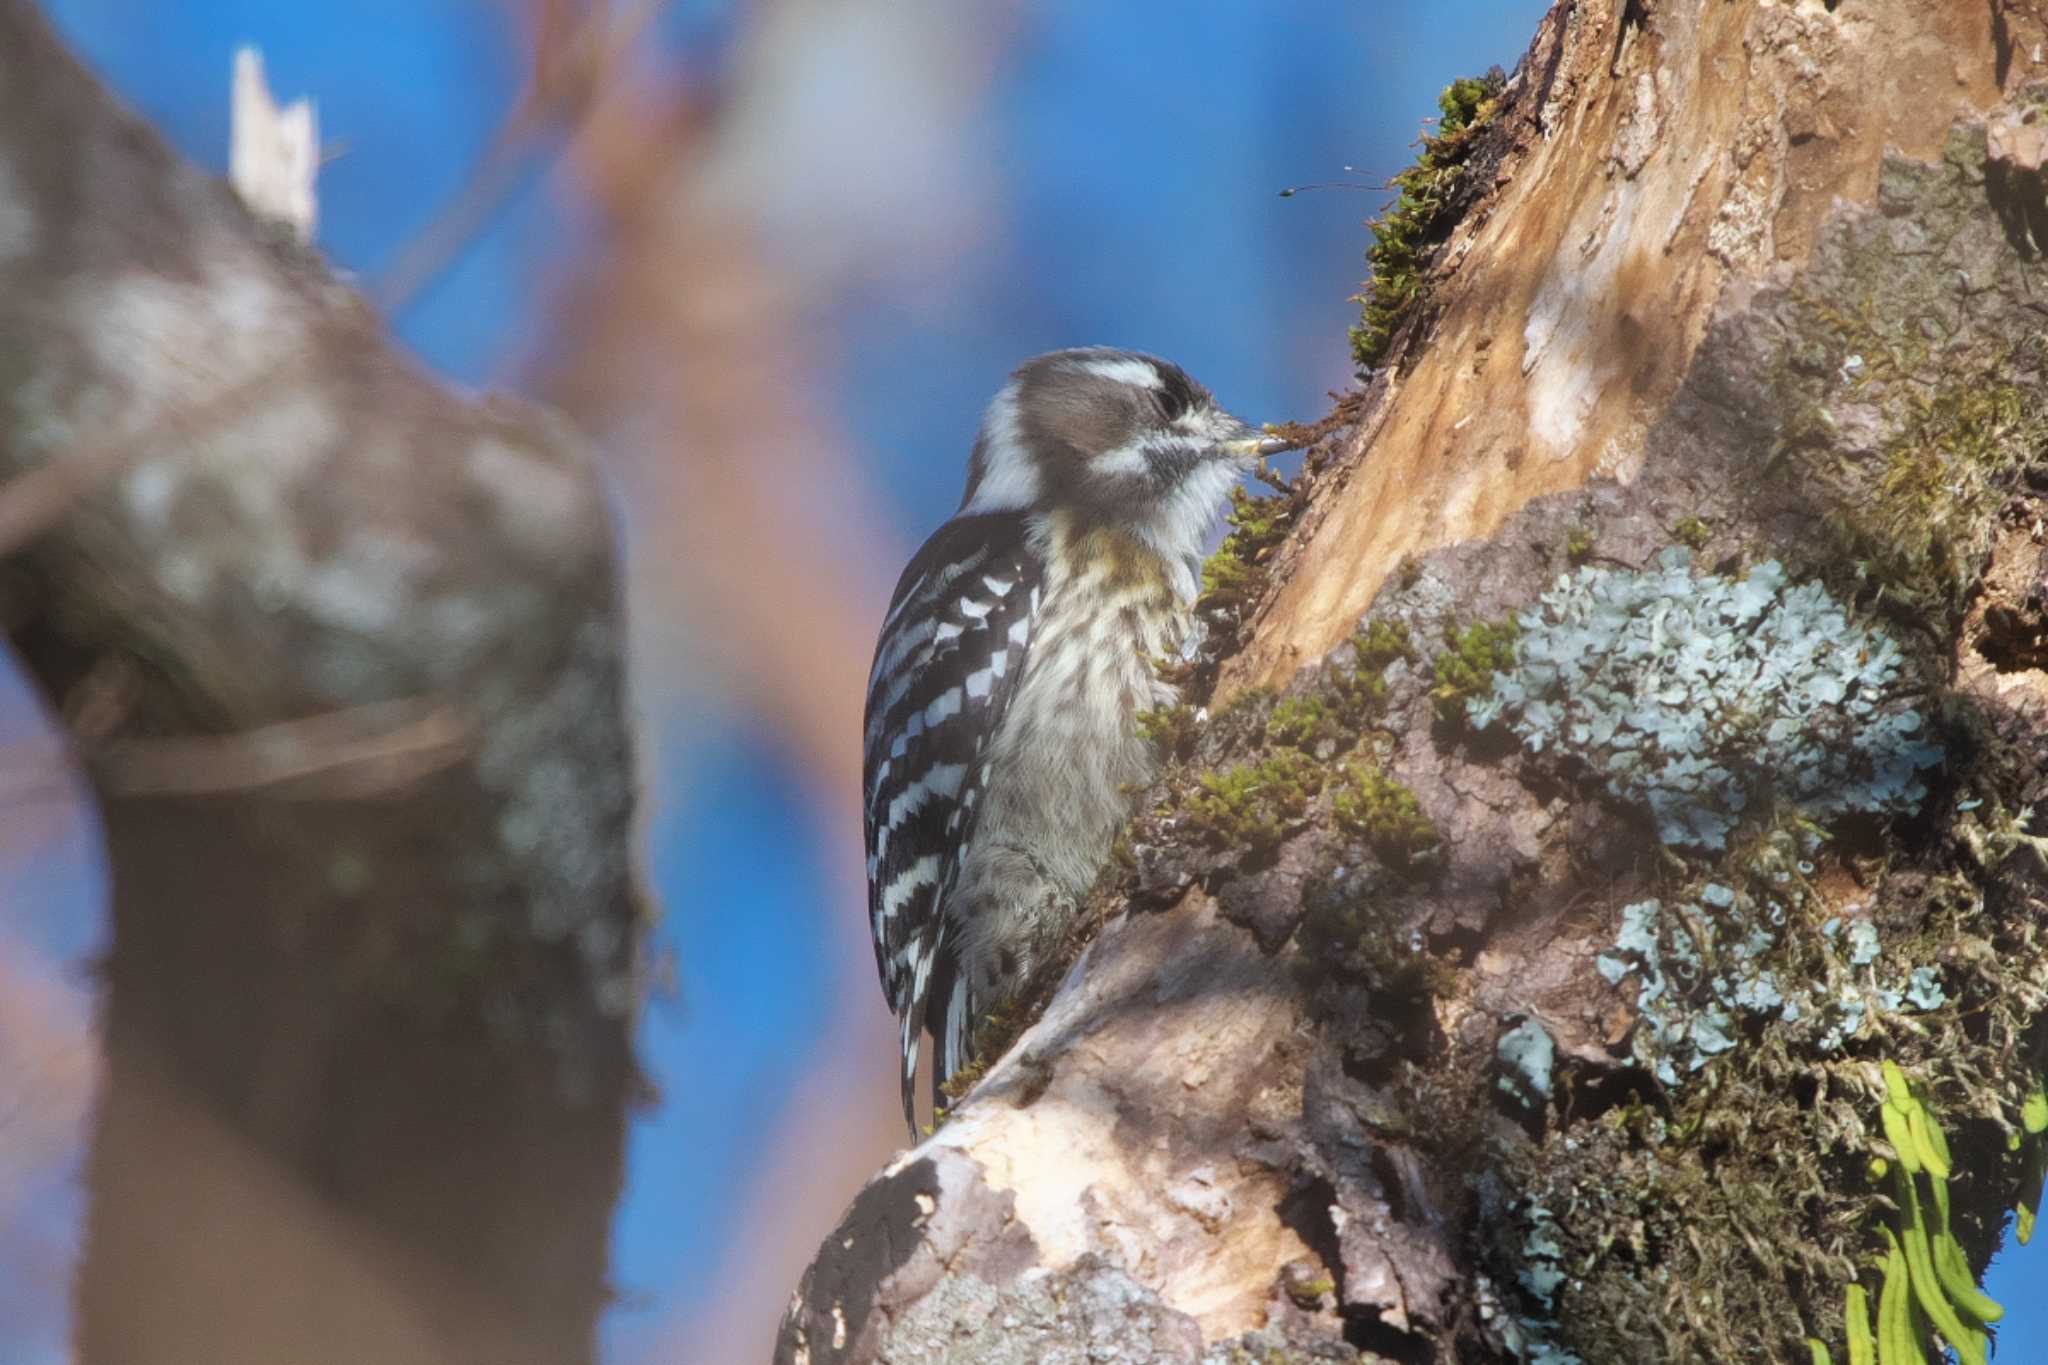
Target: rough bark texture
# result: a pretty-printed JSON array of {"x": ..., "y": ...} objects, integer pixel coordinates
[
  {"x": 1365, "y": 1058},
  {"x": 342, "y": 655}
]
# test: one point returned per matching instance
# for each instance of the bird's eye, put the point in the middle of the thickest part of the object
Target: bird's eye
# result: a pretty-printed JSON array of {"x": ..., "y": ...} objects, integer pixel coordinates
[{"x": 1176, "y": 394}]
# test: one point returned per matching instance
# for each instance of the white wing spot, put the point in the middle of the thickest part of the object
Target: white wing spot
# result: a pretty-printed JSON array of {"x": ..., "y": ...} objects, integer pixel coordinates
[
  {"x": 969, "y": 607},
  {"x": 999, "y": 586},
  {"x": 979, "y": 684},
  {"x": 946, "y": 704},
  {"x": 946, "y": 631},
  {"x": 941, "y": 779},
  {"x": 1020, "y": 629},
  {"x": 922, "y": 873}
]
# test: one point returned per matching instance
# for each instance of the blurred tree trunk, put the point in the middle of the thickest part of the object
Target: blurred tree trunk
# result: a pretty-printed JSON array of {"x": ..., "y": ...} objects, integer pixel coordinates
[
  {"x": 1341, "y": 1073},
  {"x": 341, "y": 655}
]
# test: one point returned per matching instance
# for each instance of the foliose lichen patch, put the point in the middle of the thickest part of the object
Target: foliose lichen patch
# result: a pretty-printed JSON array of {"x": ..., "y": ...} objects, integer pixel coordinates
[{"x": 1704, "y": 698}]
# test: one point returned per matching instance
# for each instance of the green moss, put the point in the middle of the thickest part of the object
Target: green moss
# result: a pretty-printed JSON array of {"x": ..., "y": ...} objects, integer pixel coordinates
[
  {"x": 1692, "y": 533},
  {"x": 997, "y": 1032},
  {"x": 1233, "y": 575},
  {"x": 967, "y": 1077},
  {"x": 1303, "y": 722},
  {"x": 1466, "y": 667},
  {"x": 1309, "y": 1293},
  {"x": 1578, "y": 544},
  {"x": 1920, "y": 524},
  {"x": 1945, "y": 476},
  {"x": 1225, "y": 577},
  {"x": 1382, "y": 643},
  {"x": 1417, "y": 218},
  {"x": 1374, "y": 807},
  {"x": 1123, "y": 853},
  {"x": 1348, "y": 701},
  {"x": 1252, "y": 806},
  {"x": 1360, "y": 695},
  {"x": 1171, "y": 730}
]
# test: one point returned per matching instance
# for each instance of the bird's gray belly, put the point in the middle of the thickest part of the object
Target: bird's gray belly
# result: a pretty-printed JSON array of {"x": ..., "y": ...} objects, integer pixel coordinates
[{"x": 1063, "y": 764}]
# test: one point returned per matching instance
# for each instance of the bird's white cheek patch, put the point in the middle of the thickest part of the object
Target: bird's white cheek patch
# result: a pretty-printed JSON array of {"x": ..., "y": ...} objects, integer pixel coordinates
[{"x": 1128, "y": 459}]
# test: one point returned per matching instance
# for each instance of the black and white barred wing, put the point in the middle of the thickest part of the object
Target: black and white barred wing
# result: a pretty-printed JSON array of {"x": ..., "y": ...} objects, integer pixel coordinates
[{"x": 951, "y": 651}]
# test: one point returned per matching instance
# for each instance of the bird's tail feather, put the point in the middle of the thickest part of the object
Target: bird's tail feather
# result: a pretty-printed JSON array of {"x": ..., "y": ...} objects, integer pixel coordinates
[{"x": 945, "y": 1005}]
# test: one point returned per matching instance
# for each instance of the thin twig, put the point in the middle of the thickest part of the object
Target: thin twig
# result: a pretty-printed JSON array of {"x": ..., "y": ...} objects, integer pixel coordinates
[{"x": 562, "y": 90}]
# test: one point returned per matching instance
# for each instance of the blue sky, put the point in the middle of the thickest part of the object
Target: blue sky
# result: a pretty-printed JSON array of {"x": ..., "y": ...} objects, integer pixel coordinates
[{"x": 1137, "y": 150}]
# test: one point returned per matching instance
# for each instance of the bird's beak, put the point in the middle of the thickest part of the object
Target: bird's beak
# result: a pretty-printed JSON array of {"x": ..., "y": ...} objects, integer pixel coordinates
[{"x": 1248, "y": 445}]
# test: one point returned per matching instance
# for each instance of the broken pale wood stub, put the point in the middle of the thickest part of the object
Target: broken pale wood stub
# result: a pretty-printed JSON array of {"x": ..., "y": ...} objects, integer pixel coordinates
[{"x": 273, "y": 150}]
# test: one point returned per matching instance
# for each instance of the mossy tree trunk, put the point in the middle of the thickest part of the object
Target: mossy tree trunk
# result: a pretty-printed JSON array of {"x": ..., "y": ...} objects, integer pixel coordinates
[
  {"x": 1621, "y": 745},
  {"x": 340, "y": 654}
]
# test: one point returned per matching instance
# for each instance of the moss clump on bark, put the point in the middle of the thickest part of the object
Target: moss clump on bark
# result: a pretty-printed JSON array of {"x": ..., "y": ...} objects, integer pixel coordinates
[
  {"x": 1332, "y": 717},
  {"x": 1466, "y": 666},
  {"x": 1370, "y": 805},
  {"x": 1252, "y": 806},
  {"x": 1232, "y": 577},
  {"x": 1171, "y": 730},
  {"x": 1692, "y": 532},
  {"x": 1916, "y": 517},
  {"x": 1417, "y": 219}
]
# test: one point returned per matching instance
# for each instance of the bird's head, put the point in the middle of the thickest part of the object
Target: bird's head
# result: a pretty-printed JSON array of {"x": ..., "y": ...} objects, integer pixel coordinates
[{"x": 1117, "y": 436}]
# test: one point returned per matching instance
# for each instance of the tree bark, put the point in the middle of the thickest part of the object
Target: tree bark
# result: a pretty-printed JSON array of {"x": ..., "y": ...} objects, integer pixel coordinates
[
  {"x": 341, "y": 654},
  {"x": 1365, "y": 1058}
]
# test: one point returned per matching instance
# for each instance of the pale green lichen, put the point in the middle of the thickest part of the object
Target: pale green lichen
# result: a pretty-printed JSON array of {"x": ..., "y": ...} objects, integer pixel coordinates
[
  {"x": 1706, "y": 699},
  {"x": 1733, "y": 961},
  {"x": 1527, "y": 1055}
]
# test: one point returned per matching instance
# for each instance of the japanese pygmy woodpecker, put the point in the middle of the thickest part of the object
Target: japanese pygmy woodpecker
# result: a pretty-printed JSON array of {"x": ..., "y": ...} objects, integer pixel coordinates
[{"x": 1001, "y": 735}]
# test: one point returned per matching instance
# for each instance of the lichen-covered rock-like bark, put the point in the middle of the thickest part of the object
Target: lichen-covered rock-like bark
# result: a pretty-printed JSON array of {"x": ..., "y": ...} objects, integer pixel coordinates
[
  {"x": 1520, "y": 981},
  {"x": 342, "y": 655}
]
